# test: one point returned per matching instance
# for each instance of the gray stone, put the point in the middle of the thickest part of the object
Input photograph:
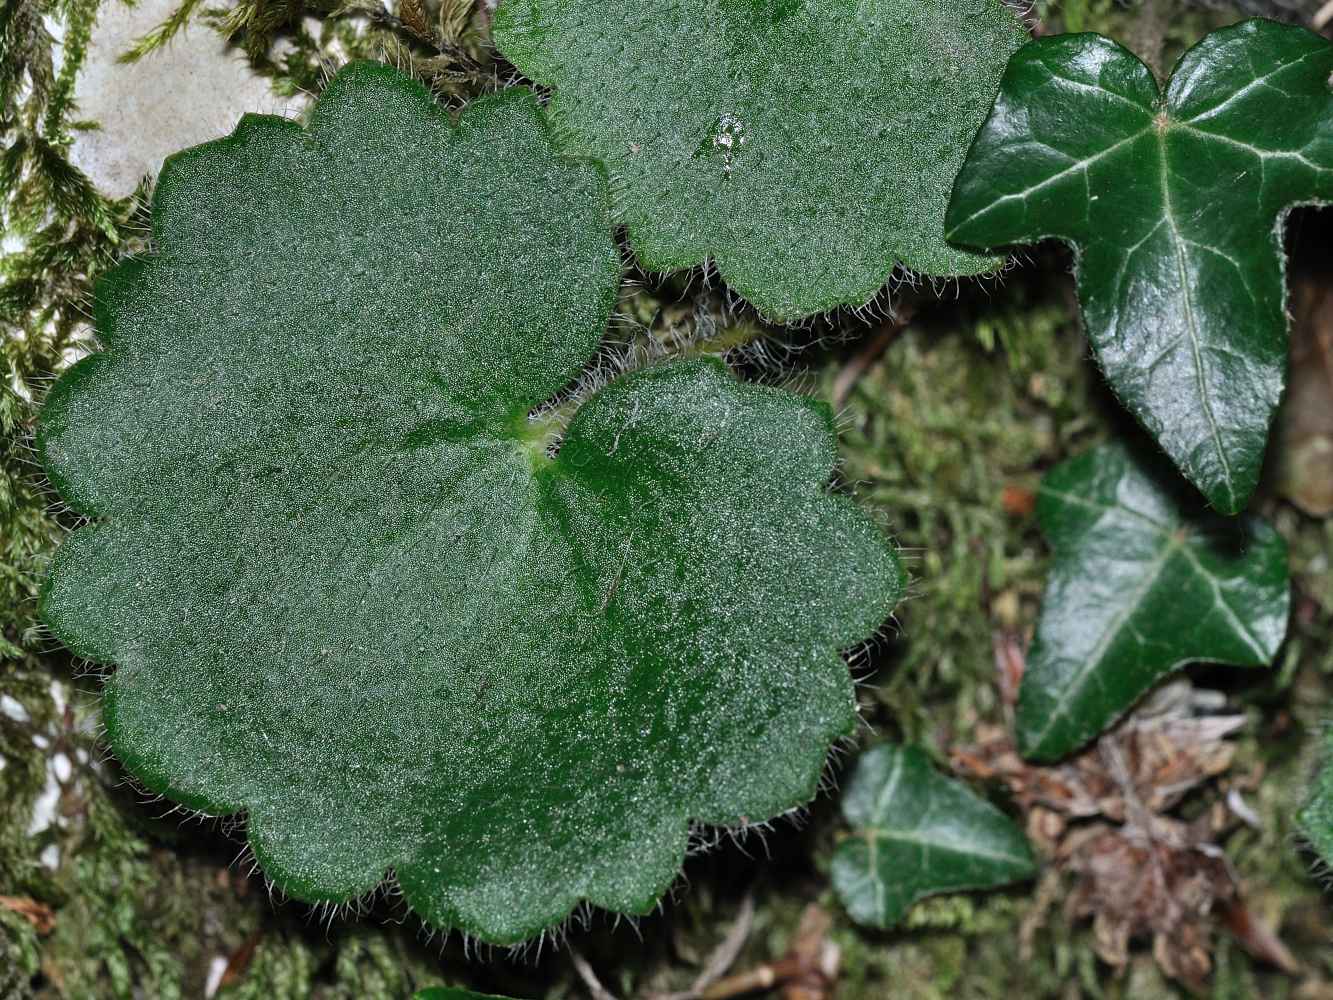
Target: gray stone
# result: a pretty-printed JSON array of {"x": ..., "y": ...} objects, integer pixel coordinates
[{"x": 193, "y": 90}]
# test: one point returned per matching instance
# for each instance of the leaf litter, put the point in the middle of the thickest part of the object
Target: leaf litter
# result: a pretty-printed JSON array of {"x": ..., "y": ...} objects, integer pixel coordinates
[{"x": 1136, "y": 822}]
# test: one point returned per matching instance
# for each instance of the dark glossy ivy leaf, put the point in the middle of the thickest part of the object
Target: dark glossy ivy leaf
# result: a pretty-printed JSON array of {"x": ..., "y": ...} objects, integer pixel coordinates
[
  {"x": 804, "y": 145},
  {"x": 454, "y": 993},
  {"x": 1316, "y": 819},
  {"x": 1174, "y": 204},
  {"x": 347, "y": 589},
  {"x": 917, "y": 833},
  {"x": 1142, "y": 582}
]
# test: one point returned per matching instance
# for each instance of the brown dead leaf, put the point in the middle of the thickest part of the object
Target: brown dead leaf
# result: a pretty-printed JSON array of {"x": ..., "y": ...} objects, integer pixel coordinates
[
  {"x": 1010, "y": 662},
  {"x": 1167, "y": 751},
  {"x": 238, "y": 963},
  {"x": 41, "y": 916},
  {"x": 1258, "y": 938},
  {"x": 1140, "y": 884},
  {"x": 817, "y": 958},
  {"x": 1104, "y": 818},
  {"x": 413, "y": 15},
  {"x": 1018, "y": 501}
]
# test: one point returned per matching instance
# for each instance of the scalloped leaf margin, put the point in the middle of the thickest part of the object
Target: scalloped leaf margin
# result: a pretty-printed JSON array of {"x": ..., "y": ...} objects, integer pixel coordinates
[
  {"x": 805, "y": 146},
  {"x": 347, "y": 588}
]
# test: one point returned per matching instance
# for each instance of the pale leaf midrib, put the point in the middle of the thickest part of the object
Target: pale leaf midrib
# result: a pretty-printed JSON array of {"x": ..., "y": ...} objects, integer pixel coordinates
[
  {"x": 876, "y": 834},
  {"x": 1191, "y": 325},
  {"x": 1238, "y": 625},
  {"x": 1092, "y": 662}
]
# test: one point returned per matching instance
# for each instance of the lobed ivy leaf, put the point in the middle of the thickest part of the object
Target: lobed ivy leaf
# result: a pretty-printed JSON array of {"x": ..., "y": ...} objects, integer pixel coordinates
[
  {"x": 346, "y": 585},
  {"x": 806, "y": 146},
  {"x": 1174, "y": 202},
  {"x": 1142, "y": 582},
  {"x": 1316, "y": 817},
  {"x": 917, "y": 833}
]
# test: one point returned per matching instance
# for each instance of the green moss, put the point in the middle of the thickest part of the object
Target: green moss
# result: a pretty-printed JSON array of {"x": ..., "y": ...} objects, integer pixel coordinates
[
  {"x": 1186, "y": 23},
  {"x": 113, "y": 917},
  {"x": 965, "y": 405},
  {"x": 282, "y": 970},
  {"x": 20, "y": 954}
]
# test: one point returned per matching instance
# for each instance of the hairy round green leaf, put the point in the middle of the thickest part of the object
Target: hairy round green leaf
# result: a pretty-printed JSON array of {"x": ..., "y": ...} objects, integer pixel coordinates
[
  {"x": 1316, "y": 818},
  {"x": 347, "y": 589},
  {"x": 1174, "y": 204},
  {"x": 805, "y": 146},
  {"x": 917, "y": 833},
  {"x": 1142, "y": 582}
]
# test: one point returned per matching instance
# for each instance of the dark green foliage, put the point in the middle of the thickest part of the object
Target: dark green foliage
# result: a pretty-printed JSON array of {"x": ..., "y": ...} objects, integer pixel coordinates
[
  {"x": 347, "y": 588},
  {"x": 805, "y": 146},
  {"x": 916, "y": 833},
  {"x": 1142, "y": 582},
  {"x": 1173, "y": 201},
  {"x": 971, "y": 401}
]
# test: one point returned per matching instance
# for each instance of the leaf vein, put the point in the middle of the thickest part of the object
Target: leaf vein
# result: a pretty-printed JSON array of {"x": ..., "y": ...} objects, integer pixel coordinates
[
  {"x": 1258, "y": 81},
  {"x": 1061, "y": 175},
  {"x": 1087, "y": 671},
  {"x": 1191, "y": 323}
]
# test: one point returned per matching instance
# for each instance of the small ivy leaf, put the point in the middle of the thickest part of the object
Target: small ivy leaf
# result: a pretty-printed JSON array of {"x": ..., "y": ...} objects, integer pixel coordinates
[
  {"x": 1316, "y": 818},
  {"x": 347, "y": 588},
  {"x": 1173, "y": 203},
  {"x": 1142, "y": 582},
  {"x": 805, "y": 146},
  {"x": 917, "y": 833}
]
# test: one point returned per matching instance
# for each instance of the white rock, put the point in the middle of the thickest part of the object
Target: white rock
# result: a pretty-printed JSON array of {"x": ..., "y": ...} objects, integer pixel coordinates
[
  {"x": 217, "y": 968},
  {"x": 44, "y": 808},
  {"x": 193, "y": 90},
  {"x": 61, "y": 767},
  {"x": 58, "y": 699}
]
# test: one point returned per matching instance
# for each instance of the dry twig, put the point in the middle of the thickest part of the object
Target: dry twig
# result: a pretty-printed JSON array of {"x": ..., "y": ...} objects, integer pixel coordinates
[{"x": 861, "y": 361}]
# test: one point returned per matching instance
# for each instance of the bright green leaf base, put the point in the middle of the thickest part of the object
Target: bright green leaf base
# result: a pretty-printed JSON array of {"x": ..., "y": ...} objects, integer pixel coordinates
[
  {"x": 1174, "y": 202},
  {"x": 346, "y": 594},
  {"x": 804, "y": 145},
  {"x": 1142, "y": 582}
]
